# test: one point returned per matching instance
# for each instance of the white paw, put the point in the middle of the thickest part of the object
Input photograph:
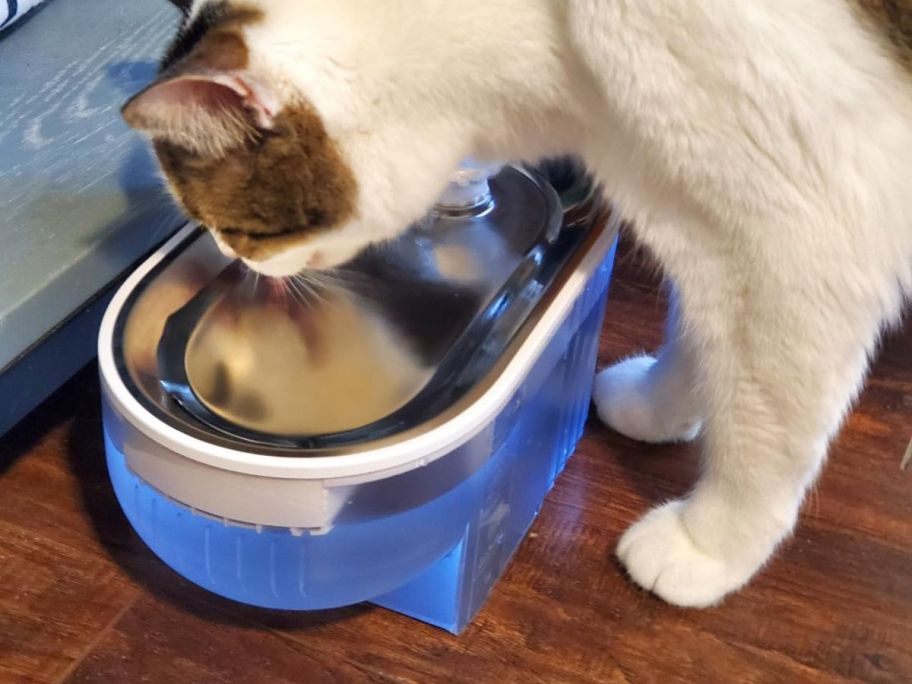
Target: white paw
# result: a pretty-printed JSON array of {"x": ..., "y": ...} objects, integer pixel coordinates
[
  {"x": 627, "y": 402},
  {"x": 661, "y": 557}
]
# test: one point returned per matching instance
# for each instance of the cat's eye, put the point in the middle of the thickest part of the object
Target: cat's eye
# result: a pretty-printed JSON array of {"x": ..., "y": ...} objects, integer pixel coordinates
[{"x": 255, "y": 235}]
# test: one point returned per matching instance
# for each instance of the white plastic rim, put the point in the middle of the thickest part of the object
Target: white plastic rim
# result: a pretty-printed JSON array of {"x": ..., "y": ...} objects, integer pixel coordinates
[{"x": 367, "y": 465}]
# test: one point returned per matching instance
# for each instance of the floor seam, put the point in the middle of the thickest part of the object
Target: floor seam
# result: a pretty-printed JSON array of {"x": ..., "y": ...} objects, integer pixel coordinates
[{"x": 97, "y": 639}]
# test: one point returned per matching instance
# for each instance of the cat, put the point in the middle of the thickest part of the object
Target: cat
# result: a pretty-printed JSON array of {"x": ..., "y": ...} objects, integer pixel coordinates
[{"x": 761, "y": 149}]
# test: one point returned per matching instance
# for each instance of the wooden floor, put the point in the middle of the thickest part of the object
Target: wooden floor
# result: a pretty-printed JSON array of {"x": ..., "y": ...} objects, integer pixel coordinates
[{"x": 82, "y": 600}]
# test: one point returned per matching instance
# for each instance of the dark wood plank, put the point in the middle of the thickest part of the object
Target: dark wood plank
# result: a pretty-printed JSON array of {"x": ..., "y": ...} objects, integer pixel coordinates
[
  {"x": 60, "y": 589},
  {"x": 833, "y": 606}
]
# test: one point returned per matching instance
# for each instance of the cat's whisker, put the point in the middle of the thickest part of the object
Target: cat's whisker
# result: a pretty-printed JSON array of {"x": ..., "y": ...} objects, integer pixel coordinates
[
  {"x": 303, "y": 295},
  {"x": 345, "y": 278},
  {"x": 307, "y": 277},
  {"x": 317, "y": 294},
  {"x": 310, "y": 287},
  {"x": 250, "y": 281},
  {"x": 288, "y": 293},
  {"x": 334, "y": 279},
  {"x": 297, "y": 294}
]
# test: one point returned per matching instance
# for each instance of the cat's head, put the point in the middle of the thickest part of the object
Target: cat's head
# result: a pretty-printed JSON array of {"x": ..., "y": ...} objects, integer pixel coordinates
[{"x": 299, "y": 132}]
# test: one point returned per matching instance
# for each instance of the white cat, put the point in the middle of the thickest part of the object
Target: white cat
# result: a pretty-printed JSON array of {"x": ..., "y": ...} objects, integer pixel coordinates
[{"x": 761, "y": 148}]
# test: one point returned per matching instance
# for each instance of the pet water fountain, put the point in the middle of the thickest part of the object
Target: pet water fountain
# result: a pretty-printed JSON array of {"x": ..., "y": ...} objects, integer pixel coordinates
[{"x": 384, "y": 433}]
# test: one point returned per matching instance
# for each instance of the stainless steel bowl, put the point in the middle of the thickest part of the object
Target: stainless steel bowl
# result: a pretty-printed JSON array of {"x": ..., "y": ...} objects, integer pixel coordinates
[{"x": 321, "y": 363}]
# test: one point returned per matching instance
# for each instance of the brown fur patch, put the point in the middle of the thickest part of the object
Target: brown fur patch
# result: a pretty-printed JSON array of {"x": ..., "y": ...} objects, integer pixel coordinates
[
  {"x": 221, "y": 50},
  {"x": 270, "y": 193},
  {"x": 212, "y": 117},
  {"x": 214, "y": 18},
  {"x": 893, "y": 18}
]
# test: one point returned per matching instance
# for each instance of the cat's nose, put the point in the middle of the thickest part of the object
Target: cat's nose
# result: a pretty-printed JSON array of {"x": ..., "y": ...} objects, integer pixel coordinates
[{"x": 316, "y": 260}]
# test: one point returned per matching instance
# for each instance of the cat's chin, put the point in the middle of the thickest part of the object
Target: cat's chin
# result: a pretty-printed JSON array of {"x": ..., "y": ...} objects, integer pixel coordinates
[
  {"x": 278, "y": 267},
  {"x": 295, "y": 261},
  {"x": 270, "y": 270}
]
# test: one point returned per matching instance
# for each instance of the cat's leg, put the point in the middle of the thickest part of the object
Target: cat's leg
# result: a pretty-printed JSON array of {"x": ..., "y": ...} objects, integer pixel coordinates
[
  {"x": 782, "y": 357},
  {"x": 772, "y": 188},
  {"x": 653, "y": 399}
]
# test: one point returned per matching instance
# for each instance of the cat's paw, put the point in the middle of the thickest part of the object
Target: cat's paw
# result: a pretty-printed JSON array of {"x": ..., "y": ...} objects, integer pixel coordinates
[
  {"x": 627, "y": 402},
  {"x": 661, "y": 556}
]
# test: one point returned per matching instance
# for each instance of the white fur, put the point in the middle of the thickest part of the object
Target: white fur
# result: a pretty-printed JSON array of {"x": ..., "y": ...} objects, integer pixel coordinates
[
  {"x": 653, "y": 399},
  {"x": 763, "y": 150}
]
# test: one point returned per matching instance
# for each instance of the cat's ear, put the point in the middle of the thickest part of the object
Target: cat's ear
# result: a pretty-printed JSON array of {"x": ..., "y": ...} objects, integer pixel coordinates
[
  {"x": 183, "y": 5},
  {"x": 207, "y": 101},
  {"x": 206, "y": 113}
]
